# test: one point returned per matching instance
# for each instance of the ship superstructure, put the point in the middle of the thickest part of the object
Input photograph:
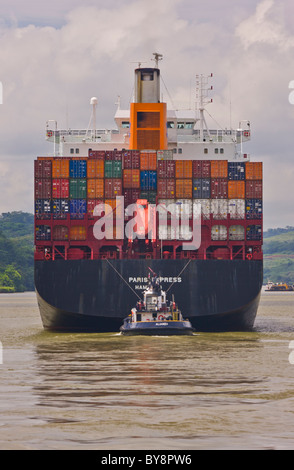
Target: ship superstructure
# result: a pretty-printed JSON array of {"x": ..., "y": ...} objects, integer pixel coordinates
[{"x": 99, "y": 201}]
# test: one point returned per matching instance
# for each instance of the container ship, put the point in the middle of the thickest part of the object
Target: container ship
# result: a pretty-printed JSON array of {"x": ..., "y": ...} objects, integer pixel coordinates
[{"x": 161, "y": 191}]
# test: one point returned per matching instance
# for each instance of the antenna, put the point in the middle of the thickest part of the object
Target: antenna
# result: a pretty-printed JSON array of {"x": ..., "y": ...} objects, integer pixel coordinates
[
  {"x": 118, "y": 102},
  {"x": 139, "y": 63},
  {"x": 202, "y": 89},
  {"x": 157, "y": 58},
  {"x": 94, "y": 103}
]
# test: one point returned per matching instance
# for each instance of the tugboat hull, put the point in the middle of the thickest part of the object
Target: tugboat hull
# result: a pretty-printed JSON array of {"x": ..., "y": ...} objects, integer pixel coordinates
[{"x": 170, "y": 328}]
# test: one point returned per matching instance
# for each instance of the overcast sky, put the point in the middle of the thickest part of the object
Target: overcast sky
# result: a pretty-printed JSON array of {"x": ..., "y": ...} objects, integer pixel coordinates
[{"x": 54, "y": 56}]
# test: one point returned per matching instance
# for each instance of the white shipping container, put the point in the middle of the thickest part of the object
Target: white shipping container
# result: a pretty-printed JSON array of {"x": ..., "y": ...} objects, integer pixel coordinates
[
  {"x": 219, "y": 208},
  {"x": 236, "y": 208},
  {"x": 184, "y": 208},
  {"x": 167, "y": 232},
  {"x": 185, "y": 232},
  {"x": 163, "y": 206},
  {"x": 205, "y": 207},
  {"x": 165, "y": 155},
  {"x": 236, "y": 232},
  {"x": 218, "y": 232}
]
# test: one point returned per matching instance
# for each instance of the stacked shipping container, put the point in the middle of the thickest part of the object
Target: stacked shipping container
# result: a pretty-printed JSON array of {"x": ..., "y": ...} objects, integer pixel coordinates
[{"x": 70, "y": 188}]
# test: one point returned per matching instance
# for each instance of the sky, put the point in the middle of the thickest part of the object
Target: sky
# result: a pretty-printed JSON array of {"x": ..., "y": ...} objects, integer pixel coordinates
[{"x": 54, "y": 56}]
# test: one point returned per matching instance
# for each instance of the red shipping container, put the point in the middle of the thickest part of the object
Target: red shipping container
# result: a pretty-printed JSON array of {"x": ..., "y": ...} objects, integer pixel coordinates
[
  {"x": 91, "y": 204},
  {"x": 253, "y": 189},
  {"x": 60, "y": 188},
  {"x": 43, "y": 168},
  {"x": 201, "y": 168},
  {"x": 113, "y": 187},
  {"x": 60, "y": 232},
  {"x": 131, "y": 159},
  {"x": 219, "y": 188},
  {"x": 113, "y": 155},
  {"x": 166, "y": 188},
  {"x": 43, "y": 188},
  {"x": 166, "y": 168},
  {"x": 131, "y": 196},
  {"x": 99, "y": 154}
]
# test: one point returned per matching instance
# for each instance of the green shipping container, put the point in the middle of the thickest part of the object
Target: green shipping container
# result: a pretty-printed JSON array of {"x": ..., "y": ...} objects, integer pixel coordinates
[
  {"x": 149, "y": 195},
  {"x": 77, "y": 188},
  {"x": 112, "y": 169}
]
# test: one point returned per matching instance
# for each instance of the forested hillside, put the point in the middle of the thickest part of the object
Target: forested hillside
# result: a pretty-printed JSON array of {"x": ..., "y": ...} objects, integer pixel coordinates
[
  {"x": 278, "y": 248},
  {"x": 17, "y": 253}
]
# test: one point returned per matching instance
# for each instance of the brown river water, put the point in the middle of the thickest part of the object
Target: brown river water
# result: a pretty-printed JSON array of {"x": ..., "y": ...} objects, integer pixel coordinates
[{"x": 107, "y": 391}]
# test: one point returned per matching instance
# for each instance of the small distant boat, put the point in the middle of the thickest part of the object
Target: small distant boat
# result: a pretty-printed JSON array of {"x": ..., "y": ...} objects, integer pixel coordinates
[
  {"x": 155, "y": 315},
  {"x": 278, "y": 287}
]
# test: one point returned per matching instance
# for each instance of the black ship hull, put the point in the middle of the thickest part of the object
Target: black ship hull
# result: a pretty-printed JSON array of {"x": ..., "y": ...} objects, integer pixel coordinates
[{"x": 96, "y": 295}]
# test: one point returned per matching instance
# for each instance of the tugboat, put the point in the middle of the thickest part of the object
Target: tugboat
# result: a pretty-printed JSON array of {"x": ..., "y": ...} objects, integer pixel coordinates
[
  {"x": 278, "y": 287},
  {"x": 155, "y": 316}
]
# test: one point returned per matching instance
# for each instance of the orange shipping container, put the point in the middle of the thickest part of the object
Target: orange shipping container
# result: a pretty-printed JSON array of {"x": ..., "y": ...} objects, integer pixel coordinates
[
  {"x": 219, "y": 168},
  {"x": 95, "y": 188},
  {"x": 95, "y": 168},
  {"x": 60, "y": 168},
  {"x": 236, "y": 189},
  {"x": 78, "y": 232},
  {"x": 148, "y": 160},
  {"x": 183, "y": 168},
  {"x": 253, "y": 170},
  {"x": 131, "y": 178},
  {"x": 183, "y": 189}
]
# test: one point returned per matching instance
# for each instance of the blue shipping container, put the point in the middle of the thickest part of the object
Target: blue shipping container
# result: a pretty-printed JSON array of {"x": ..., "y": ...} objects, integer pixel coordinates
[
  {"x": 201, "y": 188},
  {"x": 43, "y": 232},
  {"x": 253, "y": 232},
  {"x": 43, "y": 208},
  {"x": 148, "y": 180},
  {"x": 253, "y": 208},
  {"x": 78, "y": 168},
  {"x": 78, "y": 208},
  {"x": 60, "y": 208},
  {"x": 236, "y": 170}
]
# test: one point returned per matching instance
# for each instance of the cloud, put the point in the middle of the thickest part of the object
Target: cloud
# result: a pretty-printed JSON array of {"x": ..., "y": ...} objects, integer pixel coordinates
[
  {"x": 266, "y": 26},
  {"x": 52, "y": 61}
]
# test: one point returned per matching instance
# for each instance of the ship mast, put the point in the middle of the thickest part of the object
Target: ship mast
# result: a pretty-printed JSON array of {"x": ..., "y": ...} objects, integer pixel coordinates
[
  {"x": 202, "y": 89},
  {"x": 157, "y": 58}
]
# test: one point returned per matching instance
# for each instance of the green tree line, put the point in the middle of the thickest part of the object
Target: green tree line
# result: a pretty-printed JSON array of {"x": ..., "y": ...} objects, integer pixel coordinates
[{"x": 16, "y": 252}]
